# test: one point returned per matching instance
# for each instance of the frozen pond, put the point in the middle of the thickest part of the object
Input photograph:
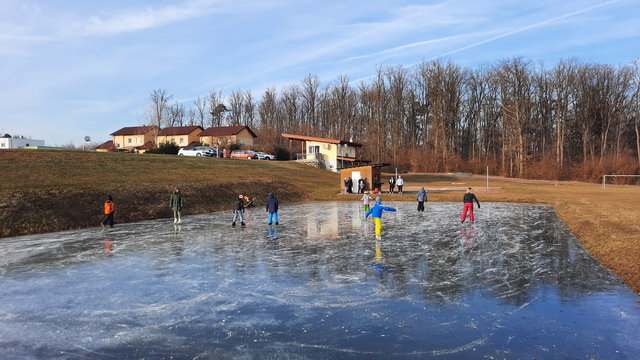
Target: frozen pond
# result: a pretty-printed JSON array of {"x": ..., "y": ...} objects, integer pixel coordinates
[{"x": 516, "y": 284}]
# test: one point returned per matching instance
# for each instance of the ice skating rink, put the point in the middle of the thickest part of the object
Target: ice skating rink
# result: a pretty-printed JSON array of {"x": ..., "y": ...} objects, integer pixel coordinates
[{"x": 516, "y": 284}]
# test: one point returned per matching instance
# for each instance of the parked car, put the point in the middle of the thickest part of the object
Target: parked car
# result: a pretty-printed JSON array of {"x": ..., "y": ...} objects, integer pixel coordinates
[
  {"x": 244, "y": 154},
  {"x": 208, "y": 150},
  {"x": 195, "y": 151},
  {"x": 214, "y": 151},
  {"x": 264, "y": 156}
]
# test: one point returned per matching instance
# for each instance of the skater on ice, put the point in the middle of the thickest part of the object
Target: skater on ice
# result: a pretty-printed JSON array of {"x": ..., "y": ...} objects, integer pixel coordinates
[
  {"x": 376, "y": 214},
  {"x": 238, "y": 210},
  {"x": 272, "y": 209},
  {"x": 176, "y": 202},
  {"x": 468, "y": 199},
  {"x": 108, "y": 210},
  {"x": 422, "y": 197},
  {"x": 366, "y": 200}
]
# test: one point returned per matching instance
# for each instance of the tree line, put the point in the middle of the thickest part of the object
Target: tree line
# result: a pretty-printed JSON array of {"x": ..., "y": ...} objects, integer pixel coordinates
[{"x": 574, "y": 120}]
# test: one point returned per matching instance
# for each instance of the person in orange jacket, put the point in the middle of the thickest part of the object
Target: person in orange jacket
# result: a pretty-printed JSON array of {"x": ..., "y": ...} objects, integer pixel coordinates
[{"x": 108, "y": 210}]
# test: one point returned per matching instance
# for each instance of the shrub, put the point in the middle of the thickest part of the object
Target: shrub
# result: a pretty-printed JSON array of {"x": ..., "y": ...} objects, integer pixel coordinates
[
  {"x": 165, "y": 148},
  {"x": 282, "y": 153}
]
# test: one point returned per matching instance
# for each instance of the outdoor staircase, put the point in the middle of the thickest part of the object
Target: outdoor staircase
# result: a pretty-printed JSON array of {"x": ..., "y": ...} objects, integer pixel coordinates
[{"x": 313, "y": 162}]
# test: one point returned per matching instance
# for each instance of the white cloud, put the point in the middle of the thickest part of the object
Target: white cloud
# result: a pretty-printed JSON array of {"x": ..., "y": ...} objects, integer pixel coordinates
[{"x": 140, "y": 19}]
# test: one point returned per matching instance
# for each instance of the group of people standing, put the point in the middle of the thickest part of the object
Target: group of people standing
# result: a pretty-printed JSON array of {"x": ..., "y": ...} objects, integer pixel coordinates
[
  {"x": 393, "y": 182},
  {"x": 348, "y": 186},
  {"x": 176, "y": 202}
]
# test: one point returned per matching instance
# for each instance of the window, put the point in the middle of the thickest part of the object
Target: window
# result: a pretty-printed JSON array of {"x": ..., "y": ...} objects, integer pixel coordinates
[
  {"x": 173, "y": 140},
  {"x": 181, "y": 140},
  {"x": 117, "y": 144},
  {"x": 137, "y": 139},
  {"x": 314, "y": 149},
  {"x": 129, "y": 141}
]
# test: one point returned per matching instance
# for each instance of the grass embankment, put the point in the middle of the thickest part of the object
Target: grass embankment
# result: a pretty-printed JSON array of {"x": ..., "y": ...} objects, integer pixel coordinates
[{"x": 43, "y": 191}]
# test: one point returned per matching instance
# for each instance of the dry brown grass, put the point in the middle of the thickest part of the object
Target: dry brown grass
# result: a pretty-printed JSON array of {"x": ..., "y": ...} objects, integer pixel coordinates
[{"x": 45, "y": 191}]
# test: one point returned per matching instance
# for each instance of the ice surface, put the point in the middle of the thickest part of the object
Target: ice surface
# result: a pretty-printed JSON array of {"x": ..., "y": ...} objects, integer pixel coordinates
[{"x": 516, "y": 284}]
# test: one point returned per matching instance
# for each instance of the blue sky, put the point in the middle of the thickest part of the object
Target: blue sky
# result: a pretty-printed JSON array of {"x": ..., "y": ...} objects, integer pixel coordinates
[{"x": 70, "y": 68}]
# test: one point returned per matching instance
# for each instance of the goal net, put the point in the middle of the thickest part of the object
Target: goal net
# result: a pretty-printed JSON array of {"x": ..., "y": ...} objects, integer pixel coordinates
[{"x": 619, "y": 181}]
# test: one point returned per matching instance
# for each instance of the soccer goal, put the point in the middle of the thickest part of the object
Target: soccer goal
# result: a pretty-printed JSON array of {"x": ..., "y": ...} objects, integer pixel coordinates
[{"x": 604, "y": 179}]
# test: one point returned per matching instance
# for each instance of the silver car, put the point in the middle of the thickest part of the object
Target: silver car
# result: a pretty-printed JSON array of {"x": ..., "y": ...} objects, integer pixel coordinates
[
  {"x": 264, "y": 156},
  {"x": 195, "y": 151}
]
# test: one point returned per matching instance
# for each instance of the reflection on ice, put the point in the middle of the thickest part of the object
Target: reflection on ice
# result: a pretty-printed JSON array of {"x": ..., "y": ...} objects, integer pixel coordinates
[{"x": 515, "y": 284}]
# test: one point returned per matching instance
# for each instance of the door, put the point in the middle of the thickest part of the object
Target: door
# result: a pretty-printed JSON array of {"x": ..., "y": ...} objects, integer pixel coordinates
[{"x": 355, "y": 176}]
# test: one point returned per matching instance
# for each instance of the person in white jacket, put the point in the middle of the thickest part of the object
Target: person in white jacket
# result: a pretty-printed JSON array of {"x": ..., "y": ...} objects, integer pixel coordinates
[{"x": 400, "y": 182}]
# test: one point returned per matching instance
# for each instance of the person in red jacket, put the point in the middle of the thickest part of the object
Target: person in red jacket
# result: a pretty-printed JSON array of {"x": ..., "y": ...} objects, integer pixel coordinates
[
  {"x": 108, "y": 210},
  {"x": 468, "y": 205}
]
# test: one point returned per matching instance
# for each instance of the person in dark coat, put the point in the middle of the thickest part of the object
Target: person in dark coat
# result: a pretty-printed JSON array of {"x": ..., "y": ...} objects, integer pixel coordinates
[
  {"x": 422, "y": 197},
  {"x": 272, "y": 208},
  {"x": 468, "y": 205},
  {"x": 108, "y": 210},
  {"x": 176, "y": 203},
  {"x": 361, "y": 186},
  {"x": 238, "y": 210}
]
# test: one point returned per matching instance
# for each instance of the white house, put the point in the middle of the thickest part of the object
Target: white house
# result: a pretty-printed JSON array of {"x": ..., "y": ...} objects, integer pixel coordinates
[
  {"x": 331, "y": 154},
  {"x": 18, "y": 142}
]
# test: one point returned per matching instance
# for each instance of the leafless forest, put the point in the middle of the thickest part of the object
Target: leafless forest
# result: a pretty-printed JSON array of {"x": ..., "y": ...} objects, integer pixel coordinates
[{"x": 572, "y": 121}]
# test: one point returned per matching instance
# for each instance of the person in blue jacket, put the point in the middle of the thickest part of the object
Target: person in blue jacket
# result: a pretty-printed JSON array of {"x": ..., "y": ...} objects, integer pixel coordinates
[
  {"x": 272, "y": 208},
  {"x": 376, "y": 214}
]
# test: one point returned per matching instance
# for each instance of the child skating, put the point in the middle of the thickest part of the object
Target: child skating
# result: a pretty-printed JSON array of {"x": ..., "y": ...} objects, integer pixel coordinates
[
  {"x": 366, "y": 200},
  {"x": 376, "y": 214}
]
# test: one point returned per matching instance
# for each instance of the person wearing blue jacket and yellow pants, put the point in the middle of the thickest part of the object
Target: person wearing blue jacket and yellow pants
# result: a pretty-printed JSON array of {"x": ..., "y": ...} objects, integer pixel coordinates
[{"x": 376, "y": 214}]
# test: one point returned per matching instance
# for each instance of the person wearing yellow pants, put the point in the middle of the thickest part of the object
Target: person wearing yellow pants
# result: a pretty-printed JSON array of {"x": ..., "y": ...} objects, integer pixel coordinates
[{"x": 376, "y": 214}]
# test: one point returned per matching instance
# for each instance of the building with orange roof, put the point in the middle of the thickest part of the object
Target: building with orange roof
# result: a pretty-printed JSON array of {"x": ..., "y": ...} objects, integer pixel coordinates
[
  {"x": 224, "y": 136},
  {"x": 180, "y": 135}
]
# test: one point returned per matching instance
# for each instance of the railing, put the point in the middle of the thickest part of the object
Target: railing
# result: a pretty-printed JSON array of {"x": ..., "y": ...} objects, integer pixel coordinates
[{"x": 307, "y": 156}]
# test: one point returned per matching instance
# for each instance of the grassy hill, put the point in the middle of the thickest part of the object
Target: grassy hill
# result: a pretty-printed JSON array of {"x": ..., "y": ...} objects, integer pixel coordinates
[
  {"x": 44, "y": 191},
  {"x": 48, "y": 190}
]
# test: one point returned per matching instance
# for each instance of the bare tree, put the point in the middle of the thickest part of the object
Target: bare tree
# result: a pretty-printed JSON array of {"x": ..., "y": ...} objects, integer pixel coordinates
[
  {"x": 236, "y": 107},
  {"x": 309, "y": 94},
  {"x": 156, "y": 111},
  {"x": 200, "y": 111},
  {"x": 176, "y": 115},
  {"x": 634, "y": 108},
  {"x": 249, "y": 109}
]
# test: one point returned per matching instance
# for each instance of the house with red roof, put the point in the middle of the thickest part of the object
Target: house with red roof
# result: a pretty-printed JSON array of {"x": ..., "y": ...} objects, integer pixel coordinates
[
  {"x": 224, "y": 136},
  {"x": 106, "y": 146},
  {"x": 135, "y": 138},
  {"x": 180, "y": 135}
]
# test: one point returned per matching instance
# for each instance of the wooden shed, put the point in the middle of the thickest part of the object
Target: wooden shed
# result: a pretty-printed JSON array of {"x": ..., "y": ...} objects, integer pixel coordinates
[{"x": 371, "y": 174}]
